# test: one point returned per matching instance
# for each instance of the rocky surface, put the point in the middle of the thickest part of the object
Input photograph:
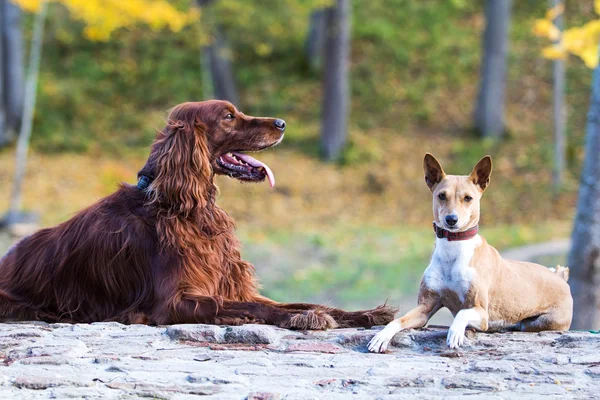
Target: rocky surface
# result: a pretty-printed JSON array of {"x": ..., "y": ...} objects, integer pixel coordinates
[{"x": 110, "y": 360}]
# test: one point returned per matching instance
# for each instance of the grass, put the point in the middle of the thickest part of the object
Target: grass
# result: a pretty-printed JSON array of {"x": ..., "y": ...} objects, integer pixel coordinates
[{"x": 361, "y": 266}]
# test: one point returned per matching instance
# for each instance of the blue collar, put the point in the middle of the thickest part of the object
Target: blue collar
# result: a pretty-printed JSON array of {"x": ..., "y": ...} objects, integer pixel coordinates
[{"x": 143, "y": 182}]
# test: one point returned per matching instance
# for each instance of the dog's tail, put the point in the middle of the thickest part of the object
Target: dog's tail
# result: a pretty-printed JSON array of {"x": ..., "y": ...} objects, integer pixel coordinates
[{"x": 561, "y": 271}]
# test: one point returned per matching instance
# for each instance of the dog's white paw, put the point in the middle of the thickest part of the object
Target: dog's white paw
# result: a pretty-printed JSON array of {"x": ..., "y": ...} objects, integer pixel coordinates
[
  {"x": 455, "y": 338},
  {"x": 379, "y": 343}
]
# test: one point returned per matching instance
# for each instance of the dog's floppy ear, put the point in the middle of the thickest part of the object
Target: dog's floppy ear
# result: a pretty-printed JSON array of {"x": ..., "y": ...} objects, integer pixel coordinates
[
  {"x": 183, "y": 171},
  {"x": 482, "y": 172},
  {"x": 433, "y": 171}
]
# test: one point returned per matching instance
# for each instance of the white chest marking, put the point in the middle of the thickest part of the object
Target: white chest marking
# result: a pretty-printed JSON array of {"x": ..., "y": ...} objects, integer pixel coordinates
[{"x": 450, "y": 268}]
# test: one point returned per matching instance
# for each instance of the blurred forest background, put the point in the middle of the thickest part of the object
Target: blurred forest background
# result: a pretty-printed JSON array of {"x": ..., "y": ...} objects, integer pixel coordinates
[{"x": 351, "y": 228}]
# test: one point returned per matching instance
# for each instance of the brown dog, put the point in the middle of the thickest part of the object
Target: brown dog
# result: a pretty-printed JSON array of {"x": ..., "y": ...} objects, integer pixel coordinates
[
  {"x": 468, "y": 276},
  {"x": 162, "y": 251}
]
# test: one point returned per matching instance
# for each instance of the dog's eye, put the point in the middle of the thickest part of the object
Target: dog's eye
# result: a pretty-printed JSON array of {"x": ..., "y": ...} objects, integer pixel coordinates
[
  {"x": 442, "y": 196},
  {"x": 468, "y": 198},
  {"x": 230, "y": 116}
]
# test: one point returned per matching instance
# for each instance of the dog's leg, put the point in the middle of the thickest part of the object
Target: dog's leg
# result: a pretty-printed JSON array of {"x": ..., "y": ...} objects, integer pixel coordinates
[
  {"x": 365, "y": 319},
  {"x": 350, "y": 319},
  {"x": 476, "y": 317},
  {"x": 266, "y": 314},
  {"x": 556, "y": 320},
  {"x": 215, "y": 310},
  {"x": 429, "y": 304}
]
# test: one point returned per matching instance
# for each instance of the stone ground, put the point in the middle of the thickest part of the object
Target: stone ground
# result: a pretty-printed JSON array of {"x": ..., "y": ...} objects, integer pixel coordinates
[{"x": 110, "y": 360}]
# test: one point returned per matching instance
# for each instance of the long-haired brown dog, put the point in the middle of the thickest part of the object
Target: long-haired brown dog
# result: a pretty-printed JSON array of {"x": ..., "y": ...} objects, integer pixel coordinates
[{"x": 162, "y": 252}]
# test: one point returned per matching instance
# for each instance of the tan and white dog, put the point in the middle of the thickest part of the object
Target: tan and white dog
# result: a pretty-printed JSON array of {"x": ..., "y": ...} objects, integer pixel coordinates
[{"x": 470, "y": 278}]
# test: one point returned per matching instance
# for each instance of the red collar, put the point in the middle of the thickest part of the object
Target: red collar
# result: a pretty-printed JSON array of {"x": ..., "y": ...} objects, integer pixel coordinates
[{"x": 455, "y": 236}]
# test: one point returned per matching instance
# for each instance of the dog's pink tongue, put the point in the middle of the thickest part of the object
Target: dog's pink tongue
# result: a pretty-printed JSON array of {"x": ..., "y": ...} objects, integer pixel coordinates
[{"x": 257, "y": 164}]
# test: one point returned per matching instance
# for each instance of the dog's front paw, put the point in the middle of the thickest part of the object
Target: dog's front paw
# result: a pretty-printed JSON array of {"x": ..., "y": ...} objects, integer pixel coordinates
[
  {"x": 309, "y": 320},
  {"x": 455, "y": 338},
  {"x": 379, "y": 343}
]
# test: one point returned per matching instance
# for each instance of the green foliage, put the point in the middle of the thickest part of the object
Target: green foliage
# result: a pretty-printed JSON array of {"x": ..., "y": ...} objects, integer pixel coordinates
[
  {"x": 109, "y": 95},
  {"x": 414, "y": 63},
  {"x": 265, "y": 27}
]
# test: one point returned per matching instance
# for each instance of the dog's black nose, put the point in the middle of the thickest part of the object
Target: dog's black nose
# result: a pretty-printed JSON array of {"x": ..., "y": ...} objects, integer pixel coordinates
[
  {"x": 280, "y": 124},
  {"x": 451, "y": 220}
]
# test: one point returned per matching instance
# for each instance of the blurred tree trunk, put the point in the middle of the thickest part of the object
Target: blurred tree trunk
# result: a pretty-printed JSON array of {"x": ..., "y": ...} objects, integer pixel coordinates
[
  {"x": 558, "y": 107},
  {"x": 221, "y": 68},
  {"x": 336, "y": 94},
  {"x": 3, "y": 131},
  {"x": 584, "y": 258},
  {"x": 11, "y": 70},
  {"x": 35, "y": 55},
  {"x": 314, "y": 41},
  {"x": 218, "y": 59},
  {"x": 14, "y": 85},
  {"x": 489, "y": 114}
]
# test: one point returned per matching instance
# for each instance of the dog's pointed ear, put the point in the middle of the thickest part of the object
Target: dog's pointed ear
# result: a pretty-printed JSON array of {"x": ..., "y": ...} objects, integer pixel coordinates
[
  {"x": 482, "y": 172},
  {"x": 433, "y": 171}
]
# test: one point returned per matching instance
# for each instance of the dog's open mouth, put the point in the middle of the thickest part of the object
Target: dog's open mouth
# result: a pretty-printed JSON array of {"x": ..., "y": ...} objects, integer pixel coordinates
[{"x": 243, "y": 167}]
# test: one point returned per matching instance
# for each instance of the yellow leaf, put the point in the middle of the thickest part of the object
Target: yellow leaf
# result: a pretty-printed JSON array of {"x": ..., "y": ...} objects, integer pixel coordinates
[
  {"x": 545, "y": 28},
  {"x": 590, "y": 56},
  {"x": 580, "y": 41},
  {"x": 592, "y": 30},
  {"x": 554, "y": 53},
  {"x": 103, "y": 17},
  {"x": 574, "y": 40}
]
